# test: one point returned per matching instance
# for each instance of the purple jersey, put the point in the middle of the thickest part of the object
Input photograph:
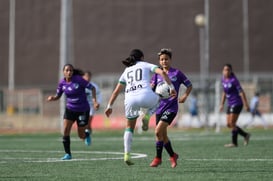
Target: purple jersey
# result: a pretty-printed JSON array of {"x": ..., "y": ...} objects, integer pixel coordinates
[
  {"x": 76, "y": 99},
  {"x": 232, "y": 88},
  {"x": 177, "y": 78}
]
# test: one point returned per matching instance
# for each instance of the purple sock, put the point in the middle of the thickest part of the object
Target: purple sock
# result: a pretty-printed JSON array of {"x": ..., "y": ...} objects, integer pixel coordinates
[
  {"x": 169, "y": 148},
  {"x": 159, "y": 148}
]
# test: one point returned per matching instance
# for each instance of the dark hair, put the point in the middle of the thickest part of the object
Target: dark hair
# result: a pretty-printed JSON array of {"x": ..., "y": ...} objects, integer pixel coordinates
[
  {"x": 88, "y": 73},
  {"x": 75, "y": 70},
  {"x": 135, "y": 55},
  {"x": 230, "y": 67},
  {"x": 166, "y": 51}
]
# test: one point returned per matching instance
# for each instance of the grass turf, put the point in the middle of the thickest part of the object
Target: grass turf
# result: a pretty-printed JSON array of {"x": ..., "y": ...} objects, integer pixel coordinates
[{"x": 202, "y": 157}]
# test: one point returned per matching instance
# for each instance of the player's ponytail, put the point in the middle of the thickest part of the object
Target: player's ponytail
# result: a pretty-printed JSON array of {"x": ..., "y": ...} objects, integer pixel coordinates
[
  {"x": 135, "y": 55},
  {"x": 129, "y": 61}
]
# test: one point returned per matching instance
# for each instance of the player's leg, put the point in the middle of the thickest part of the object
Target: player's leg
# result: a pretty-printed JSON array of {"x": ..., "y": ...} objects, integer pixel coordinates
[
  {"x": 88, "y": 132},
  {"x": 82, "y": 122},
  {"x": 241, "y": 132},
  {"x": 234, "y": 133},
  {"x": 167, "y": 143},
  {"x": 66, "y": 139},
  {"x": 160, "y": 127},
  {"x": 235, "y": 115},
  {"x": 69, "y": 117},
  {"x": 152, "y": 102},
  {"x": 128, "y": 139}
]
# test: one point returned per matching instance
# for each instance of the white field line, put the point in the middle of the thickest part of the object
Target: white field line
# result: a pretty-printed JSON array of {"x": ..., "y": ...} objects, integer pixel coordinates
[
  {"x": 28, "y": 159},
  {"x": 230, "y": 160}
]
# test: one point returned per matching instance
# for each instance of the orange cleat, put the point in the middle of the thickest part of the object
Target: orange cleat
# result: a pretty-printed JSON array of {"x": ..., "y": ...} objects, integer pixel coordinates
[
  {"x": 173, "y": 160},
  {"x": 156, "y": 161}
]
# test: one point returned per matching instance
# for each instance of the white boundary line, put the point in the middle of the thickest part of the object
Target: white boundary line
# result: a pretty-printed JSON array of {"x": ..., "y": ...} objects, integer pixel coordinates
[
  {"x": 27, "y": 159},
  {"x": 231, "y": 160}
]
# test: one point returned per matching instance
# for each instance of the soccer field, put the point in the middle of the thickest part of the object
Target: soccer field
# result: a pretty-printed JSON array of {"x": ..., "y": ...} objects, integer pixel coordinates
[{"x": 202, "y": 157}]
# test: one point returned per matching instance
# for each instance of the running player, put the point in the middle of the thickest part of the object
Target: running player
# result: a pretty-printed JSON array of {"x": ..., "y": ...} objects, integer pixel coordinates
[
  {"x": 236, "y": 98},
  {"x": 168, "y": 108},
  {"x": 88, "y": 76},
  {"x": 254, "y": 104},
  {"x": 138, "y": 94},
  {"x": 77, "y": 107}
]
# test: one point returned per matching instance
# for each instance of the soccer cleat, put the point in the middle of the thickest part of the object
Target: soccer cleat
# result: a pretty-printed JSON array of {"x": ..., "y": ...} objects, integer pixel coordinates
[
  {"x": 127, "y": 159},
  {"x": 246, "y": 141},
  {"x": 173, "y": 160},
  {"x": 87, "y": 139},
  {"x": 67, "y": 157},
  {"x": 230, "y": 145},
  {"x": 145, "y": 122},
  {"x": 156, "y": 161}
]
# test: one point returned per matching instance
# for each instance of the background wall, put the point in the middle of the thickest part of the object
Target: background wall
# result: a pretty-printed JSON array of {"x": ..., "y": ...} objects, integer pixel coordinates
[{"x": 105, "y": 31}]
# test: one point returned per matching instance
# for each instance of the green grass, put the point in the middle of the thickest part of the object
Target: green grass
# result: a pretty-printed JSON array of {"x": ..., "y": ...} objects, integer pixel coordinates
[{"x": 202, "y": 157}]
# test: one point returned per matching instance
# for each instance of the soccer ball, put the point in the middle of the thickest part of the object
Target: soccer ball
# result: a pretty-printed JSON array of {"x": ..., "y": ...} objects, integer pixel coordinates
[{"x": 163, "y": 90}]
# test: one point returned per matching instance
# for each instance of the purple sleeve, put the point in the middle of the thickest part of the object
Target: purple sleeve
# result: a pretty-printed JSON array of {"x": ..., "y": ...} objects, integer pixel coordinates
[
  {"x": 89, "y": 86},
  {"x": 237, "y": 85},
  {"x": 59, "y": 90},
  {"x": 153, "y": 81},
  {"x": 84, "y": 83},
  {"x": 184, "y": 79}
]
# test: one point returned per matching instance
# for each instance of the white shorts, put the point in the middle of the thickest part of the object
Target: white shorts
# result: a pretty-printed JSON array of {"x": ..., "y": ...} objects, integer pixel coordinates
[
  {"x": 133, "y": 103},
  {"x": 92, "y": 111}
]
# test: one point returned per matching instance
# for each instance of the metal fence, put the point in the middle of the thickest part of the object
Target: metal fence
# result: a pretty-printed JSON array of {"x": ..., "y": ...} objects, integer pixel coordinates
[
  {"x": 22, "y": 106},
  {"x": 33, "y": 100}
]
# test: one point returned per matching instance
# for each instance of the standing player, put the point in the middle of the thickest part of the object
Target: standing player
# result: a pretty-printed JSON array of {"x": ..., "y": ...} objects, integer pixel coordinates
[
  {"x": 88, "y": 76},
  {"x": 233, "y": 92},
  {"x": 254, "y": 104},
  {"x": 168, "y": 108},
  {"x": 193, "y": 108},
  {"x": 77, "y": 107},
  {"x": 138, "y": 93}
]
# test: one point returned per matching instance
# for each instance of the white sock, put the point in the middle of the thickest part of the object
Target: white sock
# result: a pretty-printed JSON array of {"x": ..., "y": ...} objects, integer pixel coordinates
[{"x": 128, "y": 139}]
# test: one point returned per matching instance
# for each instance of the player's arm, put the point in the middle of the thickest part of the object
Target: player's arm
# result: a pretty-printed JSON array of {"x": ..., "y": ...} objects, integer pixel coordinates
[
  {"x": 167, "y": 79},
  {"x": 58, "y": 94},
  {"x": 223, "y": 100},
  {"x": 243, "y": 96},
  {"x": 53, "y": 98},
  {"x": 94, "y": 98},
  {"x": 118, "y": 89},
  {"x": 183, "y": 98}
]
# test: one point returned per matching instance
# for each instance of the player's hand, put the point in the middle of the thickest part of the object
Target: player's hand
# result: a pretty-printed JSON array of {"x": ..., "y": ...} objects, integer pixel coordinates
[
  {"x": 96, "y": 106},
  {"x": 247, "y": 108},
  {"x": 173, "y": 93},
  {"x": 50, "y": 98},
  {"x": 108, "y": 111},
  {"x": 182, "y": 99}
]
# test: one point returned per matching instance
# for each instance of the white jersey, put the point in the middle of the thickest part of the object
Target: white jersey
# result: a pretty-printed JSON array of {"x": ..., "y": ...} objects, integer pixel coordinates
[
  {"x": 254, "y": 103},
  {"x": 137, "y": 78},
  {"x": 138, "y": 92},
  {"x": 89, "y": 97}
]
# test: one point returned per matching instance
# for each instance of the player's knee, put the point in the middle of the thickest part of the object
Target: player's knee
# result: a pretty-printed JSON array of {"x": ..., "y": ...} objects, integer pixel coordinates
[
  {"x": 158, "y": 134},
  {"x": 81, "y": 135}
]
